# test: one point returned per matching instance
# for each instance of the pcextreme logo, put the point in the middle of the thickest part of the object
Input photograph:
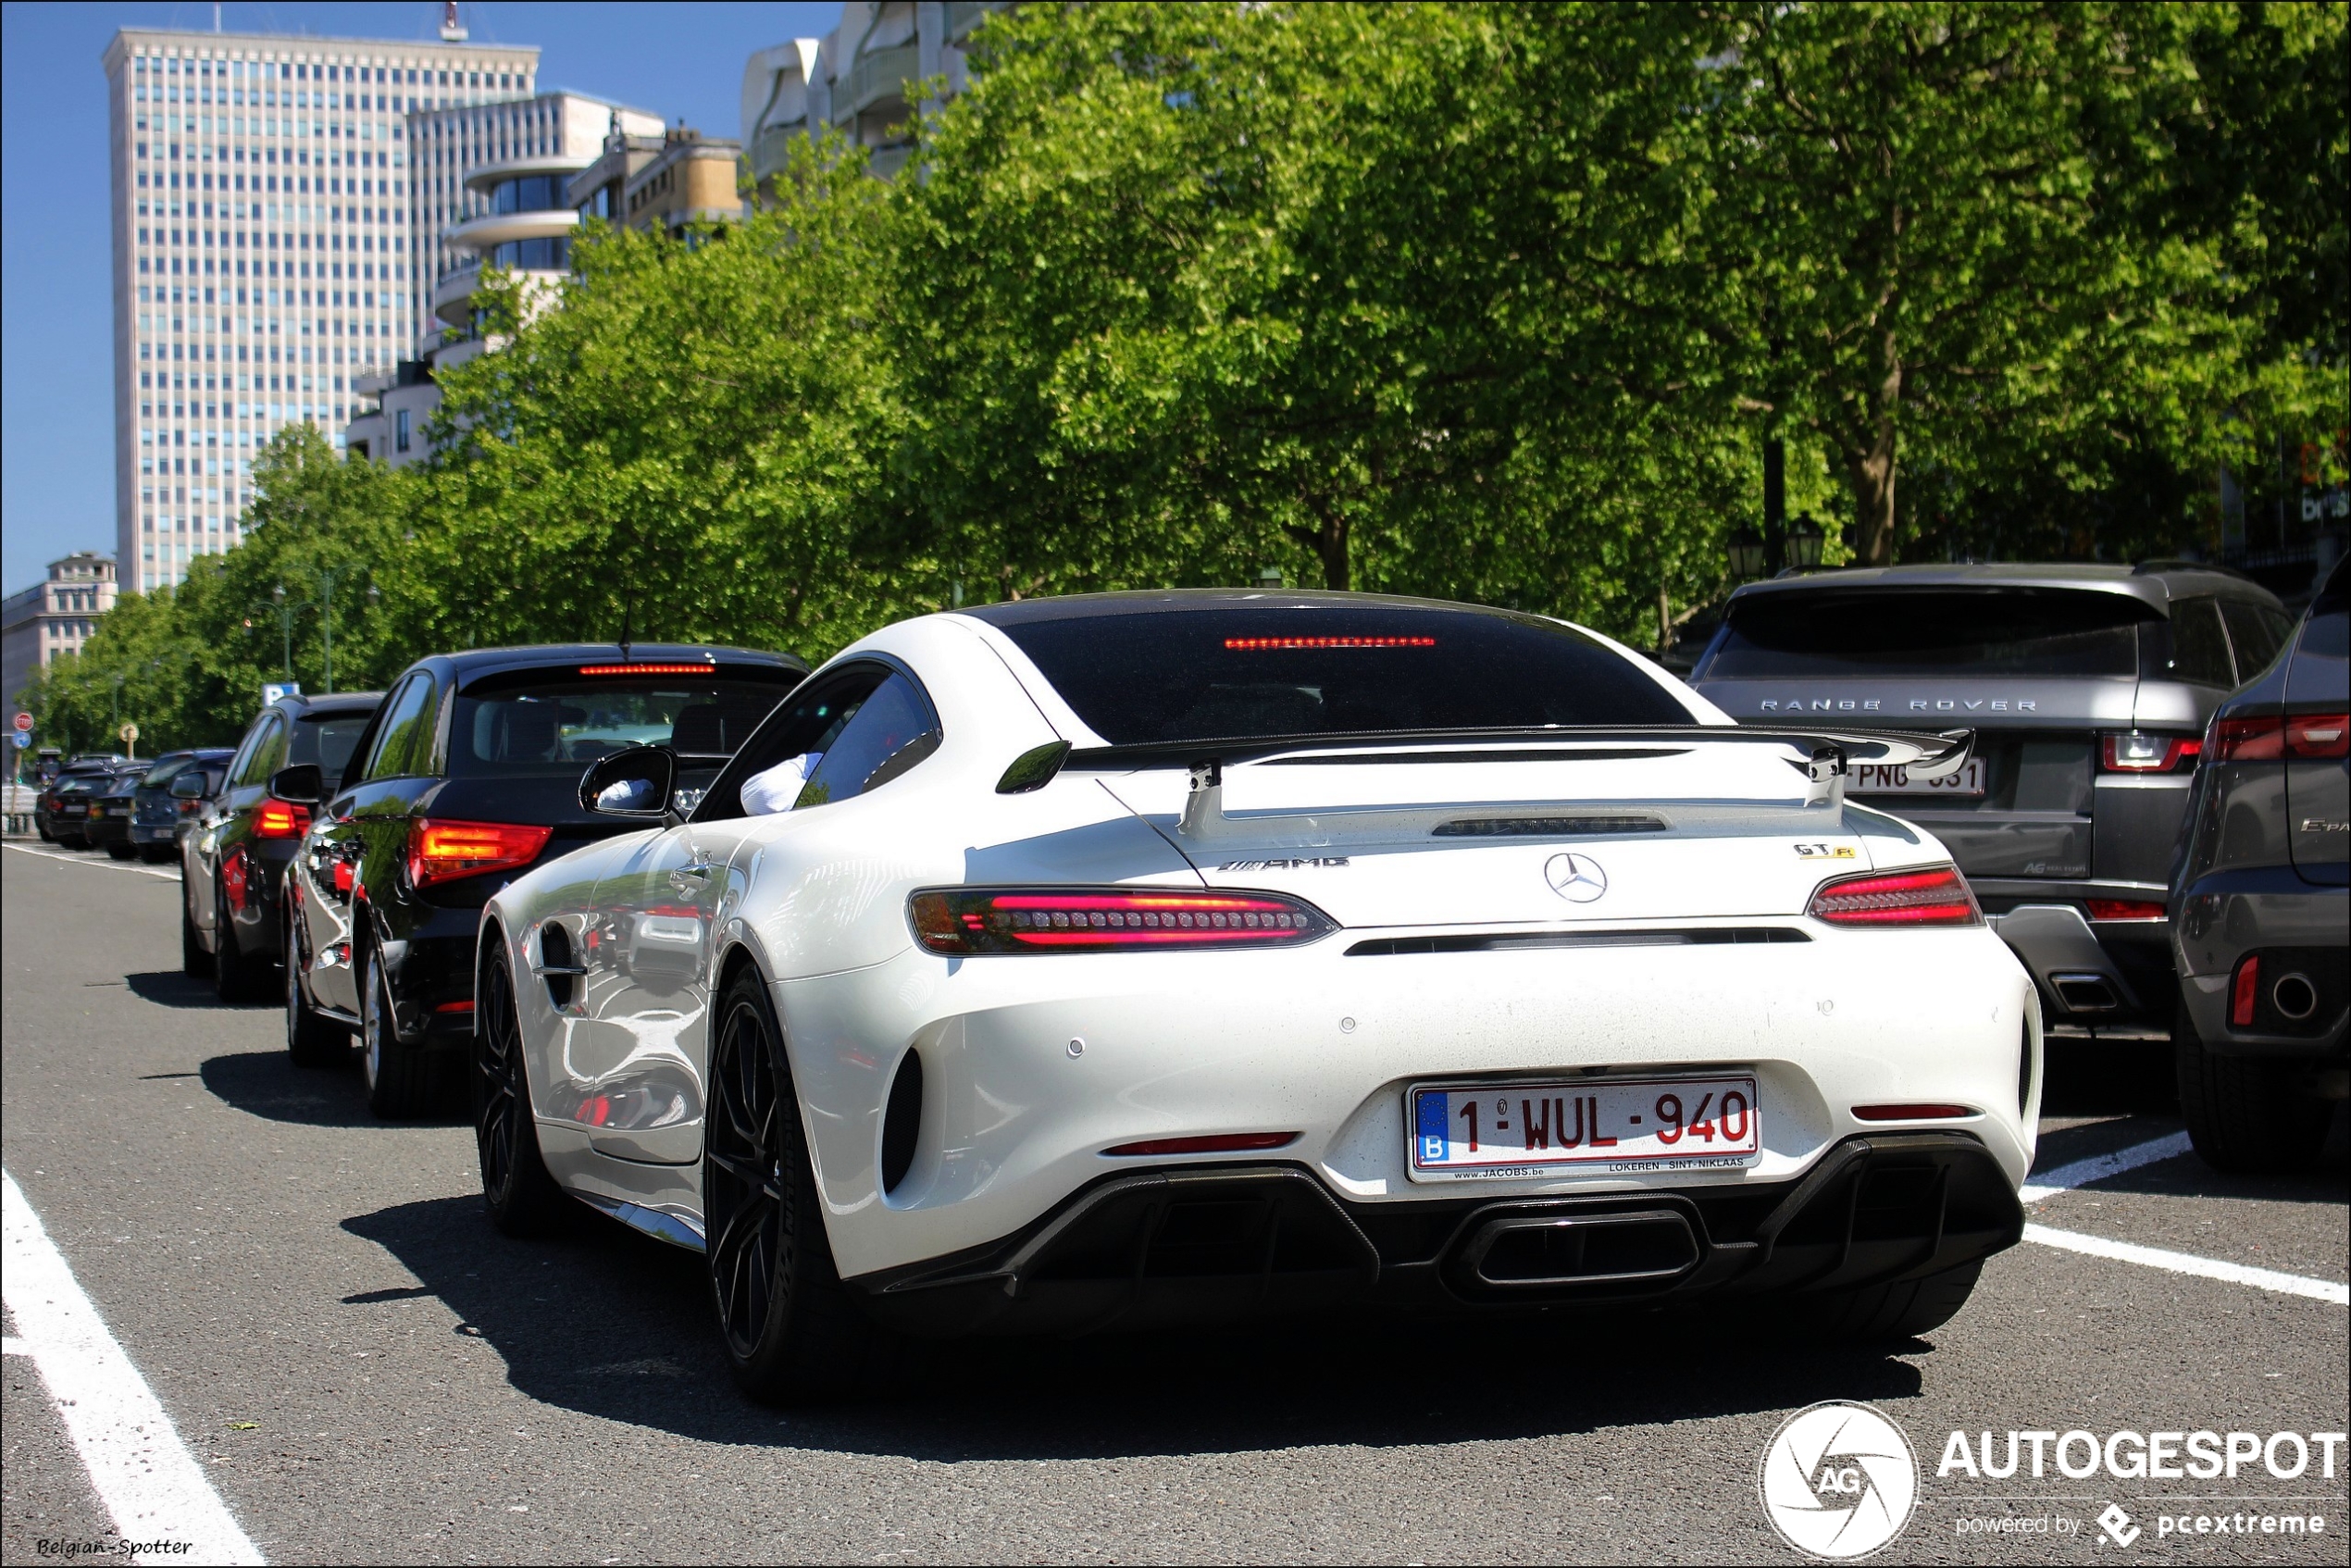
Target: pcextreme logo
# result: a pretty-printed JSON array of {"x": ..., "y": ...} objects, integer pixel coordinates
[{"x": 1839, "y": 1480}]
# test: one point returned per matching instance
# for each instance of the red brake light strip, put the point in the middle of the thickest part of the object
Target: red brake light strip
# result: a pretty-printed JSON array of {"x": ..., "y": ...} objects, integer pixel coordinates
[
  {"x": 649, "y": 670},
  {"x": 1261, "y": 645}
]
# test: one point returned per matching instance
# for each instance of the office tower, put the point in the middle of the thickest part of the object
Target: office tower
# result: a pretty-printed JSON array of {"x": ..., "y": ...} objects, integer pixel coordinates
[{"x": 264, "y": 251}]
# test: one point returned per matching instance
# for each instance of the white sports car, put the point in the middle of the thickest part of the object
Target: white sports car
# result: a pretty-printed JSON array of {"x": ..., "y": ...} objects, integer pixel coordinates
[{"x": 1172, "y": 956}]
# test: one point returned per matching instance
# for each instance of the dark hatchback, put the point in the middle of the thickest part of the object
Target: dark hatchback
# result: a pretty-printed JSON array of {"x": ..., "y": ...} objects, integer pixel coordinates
[
  {"x": 2261, "y": 907},
  {"x": 61, "y": 812},
  {"x": 233, "y": 859},
  {"x": 2088, "y": 688},
  {"x": 169, "y": 797},
  {"x": 468, "y": 777},
  {"x": 108, "y": 826},
  {"x": 127, "y": 815}
]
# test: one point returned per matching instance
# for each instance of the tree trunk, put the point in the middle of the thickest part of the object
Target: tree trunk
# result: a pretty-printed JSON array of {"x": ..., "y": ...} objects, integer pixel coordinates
[
  {"x": 1873, "y": 464},
  {"x": 1327, "y": 539}
]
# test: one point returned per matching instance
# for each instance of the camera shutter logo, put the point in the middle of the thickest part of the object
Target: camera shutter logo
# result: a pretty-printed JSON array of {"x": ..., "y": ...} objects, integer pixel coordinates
[{"x": 1839, "y": 1480}]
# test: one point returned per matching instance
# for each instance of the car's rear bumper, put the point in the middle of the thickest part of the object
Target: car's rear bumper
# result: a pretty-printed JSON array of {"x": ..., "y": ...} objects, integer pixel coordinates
[
  {"x": 432, "y": 978},
  {"x": 2110, "y": 978},
  {"x": 2298, "y": 927},
  {"x": 1203, "y": 1244},
  {"x": 1033, "y": 1066}
]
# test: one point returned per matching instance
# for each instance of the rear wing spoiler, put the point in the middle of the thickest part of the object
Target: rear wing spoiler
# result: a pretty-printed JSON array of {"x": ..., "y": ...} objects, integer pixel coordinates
[{"x": 1826, "y": 755}]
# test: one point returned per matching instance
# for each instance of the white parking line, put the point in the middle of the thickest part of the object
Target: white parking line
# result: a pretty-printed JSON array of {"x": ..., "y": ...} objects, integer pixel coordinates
[
  {"x": 2184, "y": 1262},
  {"x": 150, "y": 1483},
  {"x": 93, "y": 865},
  {"x": 2097, "y": 1168}
]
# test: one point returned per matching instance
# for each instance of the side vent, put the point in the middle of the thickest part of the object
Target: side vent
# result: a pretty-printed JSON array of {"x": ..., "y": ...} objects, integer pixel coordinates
[
  {"x": 902, "y": 1122},
  {"x": 1546, "y": 827},
  {"x": 556, "y": 965}
]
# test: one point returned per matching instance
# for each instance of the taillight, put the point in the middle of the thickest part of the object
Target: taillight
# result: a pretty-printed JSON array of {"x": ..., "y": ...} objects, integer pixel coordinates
[
  {"x": 1221, "y": 1143},
  {"x": 2260, "y": 738},
  {"x": 2246, "y": 994},
  {"x": 2318, "y": 735},
  {"x": 2135, "y": 753},
  {"x": 1095, "y": 919},
  {"x": 1935, "y": 896},
  {"x": 443, "y": 851},
  {"x": 280, "y": 819},
  {"x": 2125, "y": 909}
]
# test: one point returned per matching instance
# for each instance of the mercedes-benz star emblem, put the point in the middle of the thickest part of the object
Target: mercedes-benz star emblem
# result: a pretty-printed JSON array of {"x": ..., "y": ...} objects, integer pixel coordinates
[{"x": 1576, "y": 878}]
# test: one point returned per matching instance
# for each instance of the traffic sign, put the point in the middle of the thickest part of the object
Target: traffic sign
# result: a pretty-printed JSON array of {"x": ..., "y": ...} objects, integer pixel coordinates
[
  {"x": 21, "y": 739},
  {"x": 24, "y": 723},
  {"x": 129, "y": 732}
]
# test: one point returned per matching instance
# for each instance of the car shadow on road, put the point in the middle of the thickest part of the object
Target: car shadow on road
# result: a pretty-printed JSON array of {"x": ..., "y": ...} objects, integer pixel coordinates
[
  {"x": 170, "y": 987},
  {"x": 605, "y": 1322},
  {"x": 268, "y": 1084}
]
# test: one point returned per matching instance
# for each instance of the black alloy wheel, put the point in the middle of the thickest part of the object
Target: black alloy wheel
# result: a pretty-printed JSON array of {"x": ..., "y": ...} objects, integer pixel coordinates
[
  {"x": 521, "y": 1197},
  {"x": 401, "y": 1078},
  {"x": 792, "y": 1330},
  {"x": 313, "y": 1040},
  {"x": 236, "y": 976}
]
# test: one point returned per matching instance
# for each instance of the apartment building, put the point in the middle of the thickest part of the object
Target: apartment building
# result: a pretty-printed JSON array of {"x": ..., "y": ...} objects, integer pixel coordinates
[
  {"x": 491, "y": 189},
  {"x": 861, "y": 80},
  {"x": 264, "y": 250},
  {"x": 54, "y": 618}
]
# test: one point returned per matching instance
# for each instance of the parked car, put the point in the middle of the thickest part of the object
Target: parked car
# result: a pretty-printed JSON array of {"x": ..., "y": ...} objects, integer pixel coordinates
[
  {"x": 1142, "y": 958},
  {"x": 2261, "y": 907},
  {"x": 468, "y": 777},
  {"x": 61, "y": 812},
  {"x": 2089, "y": 688},
  {"x": 108, "y": 826},
  {"x": 169, "y": 796},
  {"x": 233, "y": 856}
]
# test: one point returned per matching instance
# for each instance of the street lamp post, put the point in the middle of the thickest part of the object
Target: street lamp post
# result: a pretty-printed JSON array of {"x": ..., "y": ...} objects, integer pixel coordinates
[{"x": 286, "y": 614}]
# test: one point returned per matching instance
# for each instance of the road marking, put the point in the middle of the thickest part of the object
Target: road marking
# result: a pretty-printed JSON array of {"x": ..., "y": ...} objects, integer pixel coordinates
[
  {"x": 93, "y": 865},
  {"x": 150, "y": 1483},
  {"x": 2184, "y": 1262},
  {"x": 2097, "y": 1168}
]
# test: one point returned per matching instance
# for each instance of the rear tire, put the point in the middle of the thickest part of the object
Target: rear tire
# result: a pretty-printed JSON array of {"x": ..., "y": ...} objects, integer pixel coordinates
[
  {"x": 312, "y": 1038},
  {"x": 401, "y": 1081},
  {"x": 791, "y": 1331},
  {"x": 522, "y": 1198},
  {"x": 194, "y": 961},
  {"x": 1900, "y": 1311},
  {"x": 237, "y": 977},
  {"x": 122, "y": 852},
  {"x": 2248, "y": 1115}
]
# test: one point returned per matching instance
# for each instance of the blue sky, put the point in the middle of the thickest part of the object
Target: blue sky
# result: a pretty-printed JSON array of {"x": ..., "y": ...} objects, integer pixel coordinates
[{"x": 679, "y": 59}]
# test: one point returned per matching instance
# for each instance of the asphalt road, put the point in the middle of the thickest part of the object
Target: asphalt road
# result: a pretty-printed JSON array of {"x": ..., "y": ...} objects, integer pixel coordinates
[{"x": 366, "y": 1372}]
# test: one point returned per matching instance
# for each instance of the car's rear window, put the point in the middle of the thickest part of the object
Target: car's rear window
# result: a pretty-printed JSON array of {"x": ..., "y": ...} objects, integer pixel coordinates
[
  {"x": 1142, "y": 678},
  {"x": 559, "y": 722},
  {"x": 1930, "y": 632},
  {"x": 327, "y": 739}
]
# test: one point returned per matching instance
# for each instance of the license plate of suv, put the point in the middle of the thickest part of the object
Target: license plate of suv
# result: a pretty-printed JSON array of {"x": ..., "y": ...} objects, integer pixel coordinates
[
  {"x": 1616, "y": 1123},
  {"x": 1885, "y": 778}
]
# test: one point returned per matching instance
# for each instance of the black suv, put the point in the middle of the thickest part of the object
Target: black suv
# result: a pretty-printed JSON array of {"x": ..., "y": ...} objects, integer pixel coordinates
[
  {"x": 468, "y": 777},
  {"x": 2261, "y": 907},
  {"x": 233, "y": 859},
  {"x": 2088, "y": 688}
]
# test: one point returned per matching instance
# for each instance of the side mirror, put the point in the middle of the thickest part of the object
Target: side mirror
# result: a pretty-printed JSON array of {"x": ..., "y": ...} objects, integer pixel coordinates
[
  {"x": 301, "y": 785},
  {"x": 632, "y": 783},
  {"x": 188, "y": 786}
]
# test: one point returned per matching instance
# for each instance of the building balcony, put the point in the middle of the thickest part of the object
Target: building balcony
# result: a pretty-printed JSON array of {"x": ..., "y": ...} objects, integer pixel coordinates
[
  {"x": 875, "y": 79},
  {"x": 482, "y": 235},
  {"x": 771, "y": 149},
  {"x": 885, "y": 162},
  {"x": 452, "y": 296}
]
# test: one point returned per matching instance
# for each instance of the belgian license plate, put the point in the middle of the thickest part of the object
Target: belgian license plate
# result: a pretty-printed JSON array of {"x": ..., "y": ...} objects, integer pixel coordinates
[
  {"x": 1619, "y": 1123},
  {"x": 1886, "y": 778}
]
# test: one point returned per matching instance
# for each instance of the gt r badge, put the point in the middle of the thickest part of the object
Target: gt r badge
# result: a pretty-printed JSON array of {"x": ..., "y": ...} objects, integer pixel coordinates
[
  {"x": 1576, "y": 878},
  {"x": 1825, "y": 851}
]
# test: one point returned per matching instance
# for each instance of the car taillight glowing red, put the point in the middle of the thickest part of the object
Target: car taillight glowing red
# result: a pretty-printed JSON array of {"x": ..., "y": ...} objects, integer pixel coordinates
[
  {"x": 2259, "y": 739},
  {"x": 2125, "y": 909},
  {"x": 280, "y": 819},
  {"x": 441, "y": 851},
  {"x": 2318, "y": 735},
  {"x": 1936, "y": 895},
  {"x": 1098, "y": 919},
  {"x": 2136, "y": 752},
  {"x": 648, "y": 670}
]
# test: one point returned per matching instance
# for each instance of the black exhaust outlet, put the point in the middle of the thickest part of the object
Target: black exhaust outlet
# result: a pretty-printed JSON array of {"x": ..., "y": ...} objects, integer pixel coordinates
[{"x": 1643, "y": 1248}]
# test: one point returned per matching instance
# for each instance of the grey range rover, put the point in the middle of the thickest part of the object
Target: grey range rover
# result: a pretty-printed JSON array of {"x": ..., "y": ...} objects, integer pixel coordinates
[{"x": 2089, "y": 686}]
